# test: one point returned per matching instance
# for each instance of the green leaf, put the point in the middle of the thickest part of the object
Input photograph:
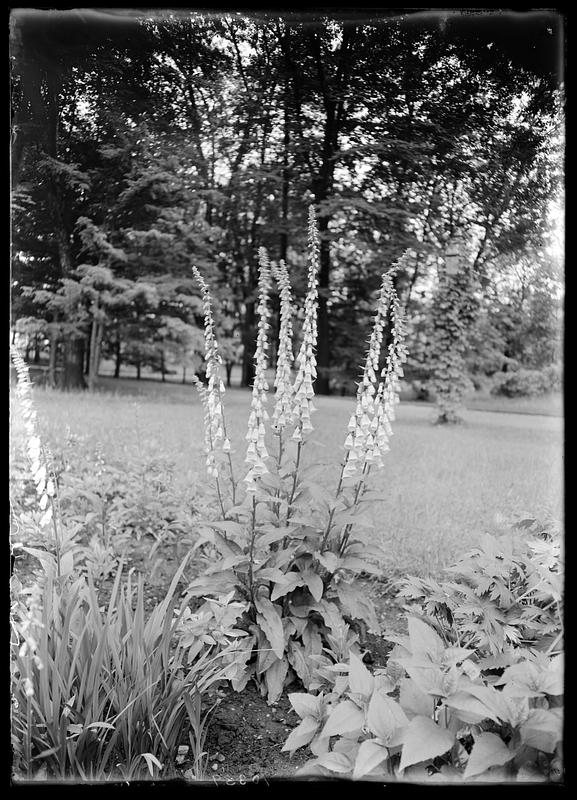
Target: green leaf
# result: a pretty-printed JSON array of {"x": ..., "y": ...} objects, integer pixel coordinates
[
  {"x": 289, "y": 582},
  {"x": 369, "y": 756},
  {"x": 297, "y": 660},
  {"x": 360, "y": 679},
  {"x": 305, "y": 705},
  {"x": 228, "y": 526},
  {"x": 275, "y": 535},
  {"x": 314, "y": 583},
  {"x": 345, "y": 718},
  {"x": 469, "y": 709},
  {"x": 275, "y": 678},
  {"x": 269, "y": 619},
  {"x": 330, "y": 561},
  {"x": 424, "y": 640},
  {"x": 301, "y": 735},
  {"x": 385, "y": 717},
  {"x": 424, "y": 739},
  {"x": 151, "y": 762},
  {"x": 489, "y": 750},
  {"x": 331, "y": 615},
  {"x": 543, "y": 729},
  {"x": 413, "y": 699},
  {"x": 357, "y": 605},
  {"x": 336, "y": 762}
]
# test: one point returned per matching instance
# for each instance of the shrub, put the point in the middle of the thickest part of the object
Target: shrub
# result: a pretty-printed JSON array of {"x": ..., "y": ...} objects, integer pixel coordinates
[
  {"x": 473, "y": 702},
  {"x": 527, "y": 382},
  {"x": 284, "y": 546},
  {"x": 506, "y": 592}
]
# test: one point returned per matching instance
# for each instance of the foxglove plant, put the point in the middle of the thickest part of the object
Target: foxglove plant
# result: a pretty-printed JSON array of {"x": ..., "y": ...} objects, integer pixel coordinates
[
  {"x": 306, "y": 359},
  {"x": 60, "y": 549},
  {"x": 284, "y": 391},
  {"x": 216, "y": 439},
  {"x": 45, "y": 486},
  {"x": 287, "y": 548},
  {"x": 257, "y": 452}
]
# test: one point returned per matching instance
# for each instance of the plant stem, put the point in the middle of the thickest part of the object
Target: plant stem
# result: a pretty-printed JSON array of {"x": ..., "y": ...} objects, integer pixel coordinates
[
  {"x": 251, "y": 550},
  {"x": 232, "y": 480},
  {"x": 295, "y": 479},
  {"x": 333, "y": 509},
  {"x": 220, "y": 500},
  {"x": 360, "y": 484}
]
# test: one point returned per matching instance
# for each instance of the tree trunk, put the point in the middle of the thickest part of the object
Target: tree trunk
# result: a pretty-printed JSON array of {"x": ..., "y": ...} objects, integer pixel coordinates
[
  {"x": 322, "y": 384},
  {"x": 117, "y": 357},
  {"x": 89, "y": 344},
  {"x": 184, "y": 374},
  {"x": 248, "y": 340},
  {"x": 51, "y": 376},
  {"x": 95, "y": 349},
  {"x": 138, "y": 370},
  {"x": 72, "y": 373},
  {"x": 228, "y": 365},
  {"x": 162, "y": 366},
  {"x": 36, "y": 349}
]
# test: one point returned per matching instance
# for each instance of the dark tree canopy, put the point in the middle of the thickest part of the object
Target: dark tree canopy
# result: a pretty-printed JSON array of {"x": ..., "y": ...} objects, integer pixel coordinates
[{"x": 147, "y": 142}]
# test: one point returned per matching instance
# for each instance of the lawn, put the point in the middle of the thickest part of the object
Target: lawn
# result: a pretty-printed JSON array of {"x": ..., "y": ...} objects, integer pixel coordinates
[{"x": 442, "y": 486}]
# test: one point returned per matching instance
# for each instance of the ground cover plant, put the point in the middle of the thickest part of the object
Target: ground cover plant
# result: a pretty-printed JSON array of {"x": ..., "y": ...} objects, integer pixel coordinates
[{"x": 473, "y": 692}]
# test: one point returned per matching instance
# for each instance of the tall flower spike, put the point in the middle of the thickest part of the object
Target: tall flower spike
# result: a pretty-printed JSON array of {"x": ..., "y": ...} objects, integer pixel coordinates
[
  {"x": 44, "y": 482},
  {"x": 306, "y": 359},
  {"x": 282, "y": 414},
  {"x": 215, "y": 390},
  {"x": 256, "y": 451},
  {"x": 360, "y": 442},
  {"x": 388, "y": 389}
]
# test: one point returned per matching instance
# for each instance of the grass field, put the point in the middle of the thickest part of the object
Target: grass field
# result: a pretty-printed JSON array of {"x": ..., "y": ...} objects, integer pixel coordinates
[{"x": 444, "y": 486}]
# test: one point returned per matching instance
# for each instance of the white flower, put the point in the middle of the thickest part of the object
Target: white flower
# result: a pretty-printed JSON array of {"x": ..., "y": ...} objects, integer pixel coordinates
[
  {"x": 257, "y": 452},
  {"x": 306, "y": 359},
  {"x": 369, "y": 428},
  {"x": 283, "y": 410}
]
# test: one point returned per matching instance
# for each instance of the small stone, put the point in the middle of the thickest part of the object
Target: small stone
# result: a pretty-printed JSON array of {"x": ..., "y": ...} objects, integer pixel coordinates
[
  {"x": 220, "y": 757},
  {"x": 215, "y": 767}
]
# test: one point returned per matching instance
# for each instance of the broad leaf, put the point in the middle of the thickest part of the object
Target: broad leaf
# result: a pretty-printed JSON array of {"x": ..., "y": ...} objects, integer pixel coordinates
[
  {"x": 357, "y": 605},
  {"x": 275, "y": 678},
  {"x": 345, "y": 718},
  {"x": 413, "y": 700},
  {"x": 488, "y": 751},
  {"x": 469, "y": 709},
  {"x": 298, "y": 662},
  {"x": 314, "y": 583},
  {"x": 336, "y": 762},
  {"x": 269, "y": 619},
  {"x": 274, "y": 535},
  {"x": 289, "y": 582},
  {"x": 385, "y": 717},
  {"x": 330, "y": 561},
  {"x": 369, "y": 756},
  {"x": 424, "y": 739},
  {"x": 305, "y": 705},
  {"x": 360, "y": 679},
  {"x": 424, "y": 640},
  {"x": 543, "y": 729},
  {"x": 301, "y": 735}
]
